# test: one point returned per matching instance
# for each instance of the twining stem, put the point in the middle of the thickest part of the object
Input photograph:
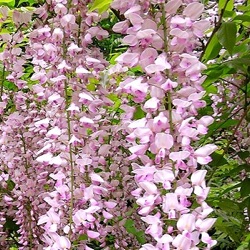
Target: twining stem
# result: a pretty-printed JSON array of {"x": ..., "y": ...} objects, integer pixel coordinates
[
  {"x": 28, "y": 204},
  {"x": 67, "y": 100},
  {"x": 165, "y": 39},
  {"x": 165, "y": 29},
  {"x": 170, "y": 113},
  {"x": 79, "y": 30},
  {"x": 71, "y": 170},
  {"x": 2, "y": 81},
  {"x": 67, "y": 103},
  {"x": 246, "y": 103}
]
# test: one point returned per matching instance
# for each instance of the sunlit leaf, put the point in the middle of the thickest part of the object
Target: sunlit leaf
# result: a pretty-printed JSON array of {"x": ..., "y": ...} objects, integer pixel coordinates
[{"x": 100, "y": 5}]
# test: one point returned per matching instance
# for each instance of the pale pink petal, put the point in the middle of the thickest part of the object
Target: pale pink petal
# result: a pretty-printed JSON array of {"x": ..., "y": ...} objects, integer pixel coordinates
[
  {"x": 92, "y": 234},
  {"x": 206, "y": 120},
  {"x": 163, "y": 140},
  {"x": 205, "y": 150},
  {"x": 205, "y": 225},
  {"x": 182, "y": 155},
  {"x": 87, "y": 120},
  {"x": 148, "y": 247},
  {"x": 186, "y": 222},
  {"x": 154, "y": 68},
  {"x": 198, "y": 177},
  {"x": 107, "y": 215},
  {"x": 179, "y": 33},
  {"x": 43, "y": 219},
  {"x": 128, "y": 59},
  {"x": 110, "y": 204},
  {"x": 121, "y": 27},
  {"x": 152, "y": 104},
  {"x": 63, "y": 242},
  {"x": 67, "y": 19},
  {"x": 181, "y": 103},
  {"x": 182, "y": 242},
  {"x": 138, "y": 149},
  {"x": 81, "y": 70},
  {"x": 45, "y": 158},
  {"x": 172, "y": 6},
  {"x": 208, "y": 240},
  {"x": 162, "y": 60},
  {"x": 135, "y": 19},
  {"x": 203, "y": 160},
  {"x": 96, "y": 177},
  {"x": 149, "y": 187},
  {"x": 163, "y": 175},
  {"x": 131, "y": 40},
  {"x": 193, "y": 10}
]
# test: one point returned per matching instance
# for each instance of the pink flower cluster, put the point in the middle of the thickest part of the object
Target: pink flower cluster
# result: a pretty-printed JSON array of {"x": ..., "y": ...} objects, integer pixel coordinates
[
  {"x": 163, "y": 142},
  {"x": 72, "y": 146}
]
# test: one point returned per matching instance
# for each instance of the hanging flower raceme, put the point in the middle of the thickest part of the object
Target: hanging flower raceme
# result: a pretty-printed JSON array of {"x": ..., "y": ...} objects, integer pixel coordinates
[{"x": 169, "y": 92}]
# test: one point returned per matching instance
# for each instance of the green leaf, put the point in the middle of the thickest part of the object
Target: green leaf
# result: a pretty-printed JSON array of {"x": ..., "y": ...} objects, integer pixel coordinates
[
  {"x": 26, "y": 2},
  {"x": 229, "y": 13},
  {"x": 209, "y": 86},
  {"x": 229, "y": 4},
  {"x": 240, "y": 64},
  {"x": 227, "y": 35},
  {"x": 244, "y": 154},
  {"x": 238, "y": 169},
  {"x": 10, "y": 185},
  {"x": 228, "y": 205},
  {"x": 234, "y": 233},
  {"x": 231, "y": 188},
  {"x": 92, "y": 84},
  {"x": 218, "y": 159},
  {"x": 223, "y": 124},
  {"x": 100, "y": 5},
  {"x": 83, "y": 237},
  {"x": 244, "y": 18},
  {"x": 139, "y": 113},
  {"x": 136, "y": 71},
  {"x": 140, "y": 236},
  {"x": 245, "y": 191},
  {"x": 46, "y": 187},
  {"x": 228, "y": 123},
  {"x": 10, "y": 3},
  {"x": 98, "y": 170},
  {"x": 130, "y": 227},
  {"x": 10, "y": 225},
  {"x": 213, "y": 49},
  {"x": 9, "y": 85},
  {"x": 113, "y": 57},
  {"x": 113, "y": 97},
  {"x": 116, "y": 105}
]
